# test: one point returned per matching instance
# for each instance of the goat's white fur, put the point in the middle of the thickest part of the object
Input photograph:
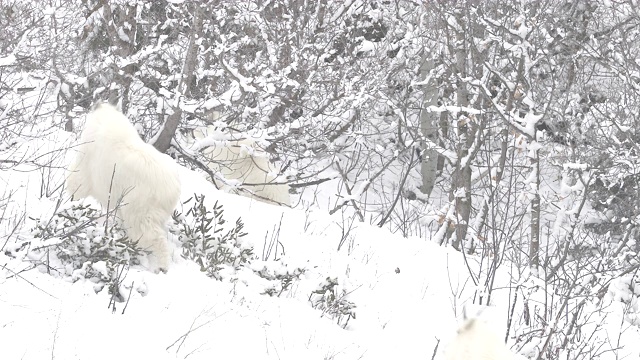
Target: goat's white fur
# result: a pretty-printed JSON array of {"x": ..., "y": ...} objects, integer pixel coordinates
[
  {"x": 477, "y": 340},
  {"x": 243, "y": 161},
  {"x": 112, "y": 156}
]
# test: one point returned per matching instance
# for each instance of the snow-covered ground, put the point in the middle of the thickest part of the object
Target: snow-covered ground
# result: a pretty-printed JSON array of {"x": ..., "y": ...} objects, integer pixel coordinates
[
  {"x": 400, "y": 287},
  {"x": 408, "y": 293}
]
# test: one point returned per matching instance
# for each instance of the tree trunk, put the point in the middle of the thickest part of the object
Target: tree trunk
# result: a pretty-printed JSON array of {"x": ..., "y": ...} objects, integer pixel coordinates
[
  {"x": 163, "y": 139},
  {"x": 461, "y": 189},
  {"x": 428, "y": 127},
  {"x": 534, "y": 247}
]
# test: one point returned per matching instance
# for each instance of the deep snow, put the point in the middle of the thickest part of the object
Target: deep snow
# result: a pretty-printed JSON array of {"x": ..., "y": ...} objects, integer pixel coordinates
[{"x": 409, "y": 293}]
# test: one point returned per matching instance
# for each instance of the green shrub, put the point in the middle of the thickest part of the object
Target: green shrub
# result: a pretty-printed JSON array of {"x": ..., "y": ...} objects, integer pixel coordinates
[{"x": 205, "y": 240}]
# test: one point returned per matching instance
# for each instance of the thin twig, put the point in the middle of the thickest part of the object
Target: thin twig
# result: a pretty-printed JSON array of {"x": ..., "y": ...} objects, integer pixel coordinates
[{"x": 29, "y": 282}]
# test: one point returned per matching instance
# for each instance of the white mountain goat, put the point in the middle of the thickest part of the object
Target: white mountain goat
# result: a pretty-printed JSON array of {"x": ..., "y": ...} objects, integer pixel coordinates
[
  {"x": 243, "y": 161},
  {"x": 113, "y": 159},
  {"x": 477, "y": 340}
]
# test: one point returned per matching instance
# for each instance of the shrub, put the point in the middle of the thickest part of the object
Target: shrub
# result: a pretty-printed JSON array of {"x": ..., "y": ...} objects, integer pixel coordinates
[
  {"x": 279, "y": 275},
  {"x": 333, "y": 303},
  {"x": 78, "y": 243},
  {"x": 205, "y": 241}
]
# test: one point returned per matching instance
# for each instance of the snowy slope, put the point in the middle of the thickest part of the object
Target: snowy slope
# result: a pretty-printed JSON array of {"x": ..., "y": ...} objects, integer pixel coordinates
[
  {"x": 408, "y": 292},
  {"x": 400, "y": 287}
]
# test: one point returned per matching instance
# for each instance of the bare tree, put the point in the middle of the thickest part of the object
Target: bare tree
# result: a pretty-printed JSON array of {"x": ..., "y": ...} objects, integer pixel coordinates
[{"x": 163, "y": 139}]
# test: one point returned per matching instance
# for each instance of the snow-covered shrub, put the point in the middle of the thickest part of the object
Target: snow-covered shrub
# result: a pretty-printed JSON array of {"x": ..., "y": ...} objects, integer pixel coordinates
[
  {"x": 333, "y": 303},
  {"x": 205, "y": 240},
  {"x": 476, "y": 340},
  {"x": 245, "y": 162},
  {"x": 279, "y": 275},
  {"x": 115, "y": 166},
  {"x": 221, "y": 253},
  {"x": 77, "y": 243}
]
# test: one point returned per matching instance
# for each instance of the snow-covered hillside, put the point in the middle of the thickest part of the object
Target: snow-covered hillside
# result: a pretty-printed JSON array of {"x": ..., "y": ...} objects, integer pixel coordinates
[
  {"x": 404, "y": 295},
  {"x": 438, "y": 156}
]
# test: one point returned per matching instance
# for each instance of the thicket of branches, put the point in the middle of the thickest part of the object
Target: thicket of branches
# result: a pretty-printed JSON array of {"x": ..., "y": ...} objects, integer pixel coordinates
[{"x": 506, "y": 129}]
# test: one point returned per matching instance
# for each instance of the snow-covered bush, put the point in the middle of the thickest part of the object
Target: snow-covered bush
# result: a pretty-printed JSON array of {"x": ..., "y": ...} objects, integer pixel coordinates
[
  {"x": 243, "y": 161},
  {"x": 115, "y": 166},
  {"x": 280, "y": 276},
  {"x": 205, "y": 241},
  {"x": 222, "y": 253},
  {"x": 332, "y": 302},
  {"x": 78, "y": 243}
]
